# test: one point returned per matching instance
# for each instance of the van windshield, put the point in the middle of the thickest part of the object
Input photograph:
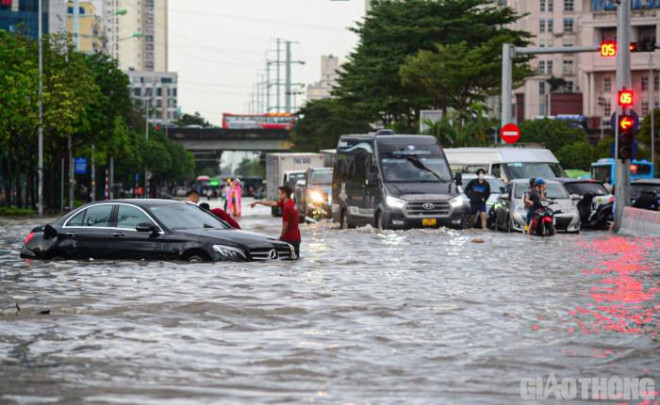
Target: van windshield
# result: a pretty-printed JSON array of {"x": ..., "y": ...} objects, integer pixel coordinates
[
  {"x": 537, "y": 170},
  {"x": 321, "y": 177},
  {"x": 401, "y": 169}
]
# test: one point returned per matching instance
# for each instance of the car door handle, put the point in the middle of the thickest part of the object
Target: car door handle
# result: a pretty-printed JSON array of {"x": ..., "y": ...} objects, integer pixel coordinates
[
  {"x": 118, "y": 235},
  {"x": 68, "y": 235}
]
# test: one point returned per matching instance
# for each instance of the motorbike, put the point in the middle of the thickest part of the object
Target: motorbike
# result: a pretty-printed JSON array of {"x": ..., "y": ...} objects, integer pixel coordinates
[
  {"x": 595, "y": 212},
  {"x": 543, "y": 222}
]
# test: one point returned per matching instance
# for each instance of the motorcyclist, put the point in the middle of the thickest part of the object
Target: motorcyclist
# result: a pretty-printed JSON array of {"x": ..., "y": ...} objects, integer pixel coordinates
[
  {"x": 537, "y": 196},
  {"x": 528, "y": 202}
]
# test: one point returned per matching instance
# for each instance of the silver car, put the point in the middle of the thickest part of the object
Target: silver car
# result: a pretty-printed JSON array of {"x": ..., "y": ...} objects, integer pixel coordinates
[{"x": 511, "y": 214}]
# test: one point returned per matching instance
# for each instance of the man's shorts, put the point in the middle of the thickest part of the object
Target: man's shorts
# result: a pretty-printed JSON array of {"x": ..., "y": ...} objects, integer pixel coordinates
[{"x": 477, "y": 208}]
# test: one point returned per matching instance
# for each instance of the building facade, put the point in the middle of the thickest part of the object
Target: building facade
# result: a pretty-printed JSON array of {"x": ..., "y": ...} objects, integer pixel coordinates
[
  {"x": 138, "y": 38},
  {"x": 157, "y": 92},
  {"x": 90, "y": 29},
  {"x": 22, "y": 16},
  {"x": 583, "y": 83},
  {"x": 323, "y": 88}
]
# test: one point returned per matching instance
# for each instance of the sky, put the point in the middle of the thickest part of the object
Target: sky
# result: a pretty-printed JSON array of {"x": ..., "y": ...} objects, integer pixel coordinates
[{"x": 218, "y": 47}]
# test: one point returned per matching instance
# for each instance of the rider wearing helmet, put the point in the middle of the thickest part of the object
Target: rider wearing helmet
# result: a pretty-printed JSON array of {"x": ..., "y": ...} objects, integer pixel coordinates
[
  {"x": 527, "y": 201},
  {"x": 537, "y": 196}
]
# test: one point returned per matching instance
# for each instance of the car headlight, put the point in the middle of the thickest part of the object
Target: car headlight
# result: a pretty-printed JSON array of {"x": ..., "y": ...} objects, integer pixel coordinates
[
  {"x": 230, "y": 252},
  {"x": 395, "y": 202},
  {"x": 316, "y": 196},
  {"x": 456, "y": 202}
]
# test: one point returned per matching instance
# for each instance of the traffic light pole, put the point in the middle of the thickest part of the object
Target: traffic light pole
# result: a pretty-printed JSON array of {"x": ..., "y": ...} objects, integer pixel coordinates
[{"x": 622, "y": 171}]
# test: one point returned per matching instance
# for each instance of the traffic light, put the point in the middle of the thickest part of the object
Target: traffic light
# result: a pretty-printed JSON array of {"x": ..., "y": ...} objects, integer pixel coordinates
[
  {"x": 626, "y": 98},
  {"x": 607, "y": 49},
  {"x": 647, "y": 45},
  {"x": 626, "y": 136}
]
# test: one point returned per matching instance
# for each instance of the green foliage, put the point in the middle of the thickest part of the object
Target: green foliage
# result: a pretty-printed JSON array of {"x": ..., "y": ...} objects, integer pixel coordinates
[
  {"x": 396, "y": 30},
  {"x": 16, "y": 212},
  {"x": 644, "y": 137},
  {"x": 321, "y": 124},
  {"x": 251, "y": 168},
  {"x": 460, "y": 128},
  {"x": 553, "y": 134},
  {"x": 196, "y": 119},
  {"x": 578, "y": 155},
  {"x": 604, "y": 148}
]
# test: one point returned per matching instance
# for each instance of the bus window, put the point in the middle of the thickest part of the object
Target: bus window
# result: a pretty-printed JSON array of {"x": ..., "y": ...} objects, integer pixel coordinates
[
  {"x": 640, "y": 169},
  {"x": 496, "y": 170}
]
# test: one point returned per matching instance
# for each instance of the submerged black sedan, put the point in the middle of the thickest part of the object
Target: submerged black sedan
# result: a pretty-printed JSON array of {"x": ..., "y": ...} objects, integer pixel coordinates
[{"x": 151, "y": 230}]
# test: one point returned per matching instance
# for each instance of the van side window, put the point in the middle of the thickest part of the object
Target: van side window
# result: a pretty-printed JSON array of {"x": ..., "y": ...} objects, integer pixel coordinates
[
  {"x": 496, "y": 170},
  {"x": 358, "y": 167}
]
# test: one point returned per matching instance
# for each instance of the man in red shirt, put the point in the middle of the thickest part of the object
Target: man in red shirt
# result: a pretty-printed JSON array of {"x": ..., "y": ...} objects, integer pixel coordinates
[
  {"x": 290, "y": 231},
  {"x": 220, "y": 213}
]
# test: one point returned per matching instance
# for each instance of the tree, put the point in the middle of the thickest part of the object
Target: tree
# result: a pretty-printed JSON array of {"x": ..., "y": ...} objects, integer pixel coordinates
[
  {"x": 553, "y": 134},
  {"x": 397, "y": 29},
  {"x": 251, "y": 168},
  {"x": 196, "y": 119},
  {"x": 578, "y": 155},
  {"x": 322, "y": 122},
  {"x": 468, "y": 127}
]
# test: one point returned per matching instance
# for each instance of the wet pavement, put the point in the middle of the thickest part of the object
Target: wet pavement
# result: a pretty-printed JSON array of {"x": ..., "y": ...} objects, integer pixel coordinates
[{"x": 415, "y": 317}]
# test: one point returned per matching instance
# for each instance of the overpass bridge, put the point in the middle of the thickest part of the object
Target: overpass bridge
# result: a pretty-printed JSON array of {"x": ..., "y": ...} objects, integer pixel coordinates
[{"x": 207, "y": 144}]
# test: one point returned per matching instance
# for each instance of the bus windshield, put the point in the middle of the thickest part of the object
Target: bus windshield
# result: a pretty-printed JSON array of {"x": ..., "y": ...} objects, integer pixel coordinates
[
  {"x": 537, "y": 170},
  {"x": 402, "y": 169}
]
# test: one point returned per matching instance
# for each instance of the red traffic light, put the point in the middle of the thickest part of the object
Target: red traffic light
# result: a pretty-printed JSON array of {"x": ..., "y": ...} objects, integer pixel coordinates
[
  {"x": 626, "y": 98},
  {"x": 608, "y": 49},
  {"x": 626, "y": 123}
]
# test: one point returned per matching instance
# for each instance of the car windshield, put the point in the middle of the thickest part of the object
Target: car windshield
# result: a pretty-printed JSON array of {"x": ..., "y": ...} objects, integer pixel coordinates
[
  {"x": 636, "y": 189},
  {"x": 536, "y": 170},
  {"x": 585, "y": 187},
  {"x": 322, "y": 177},
  {"x": 554, "y": 191},
  {"x": 186, "y": 216},
  {"x": 401, "y": 169}
]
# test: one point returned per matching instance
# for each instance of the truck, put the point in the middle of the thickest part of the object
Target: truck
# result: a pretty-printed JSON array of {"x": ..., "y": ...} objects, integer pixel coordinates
[{"x": 281, "y": 167}]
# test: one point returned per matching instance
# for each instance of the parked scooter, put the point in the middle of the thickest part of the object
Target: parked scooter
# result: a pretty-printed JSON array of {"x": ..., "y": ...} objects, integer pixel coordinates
[
  {"x": 543, "y": 222},
  {"x": 595, "y": 212}
]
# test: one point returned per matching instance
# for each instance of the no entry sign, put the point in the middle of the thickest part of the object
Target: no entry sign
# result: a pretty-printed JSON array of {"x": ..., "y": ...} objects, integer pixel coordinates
[{"x": 510, "y": 133}]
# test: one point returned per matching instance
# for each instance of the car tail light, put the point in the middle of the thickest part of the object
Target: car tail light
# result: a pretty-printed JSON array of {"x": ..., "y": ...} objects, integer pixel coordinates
[{"x": 28, "y": 238}]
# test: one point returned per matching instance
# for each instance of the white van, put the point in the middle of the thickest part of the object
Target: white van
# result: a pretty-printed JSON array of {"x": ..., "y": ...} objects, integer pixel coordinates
[{"x": 507, "y": 163}]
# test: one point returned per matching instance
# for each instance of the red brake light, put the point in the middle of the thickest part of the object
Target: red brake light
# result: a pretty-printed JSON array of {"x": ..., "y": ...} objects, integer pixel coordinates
[{"x": 28, "y": 238}]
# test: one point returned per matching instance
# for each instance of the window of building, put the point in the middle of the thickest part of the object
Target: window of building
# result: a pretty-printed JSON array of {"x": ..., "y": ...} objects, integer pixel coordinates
[
  {"x": 608, "y": 34},
  {"x": 550, "y": 23},
  {"x": 137, "y": 92},
  {"x": 569, "y": 86},
  {"x": 541, "y": 88},
  {"x": 645, "y": 83},
  {"x": 568, "y": 25},
  {"x": 568, "y": 67},
  {"x": 647, "y": 33},
  {"x": 607, "y": 108},
  {"x": 607, "y": 84},
  {"x": 542, "y": 25},
  {"x": 541, "y": 5},
  {"x": 174, "y": 92},
  {"x": 645, "y": 107},
  {"x": 549, "y": 67},
  {"x": 551, "y": 5},
  {"x": 656, "y": 83},
  {"x": 568, "y": 5},
  {"x": 159, "y": 92},
  {"x": 541, "y": 68}
]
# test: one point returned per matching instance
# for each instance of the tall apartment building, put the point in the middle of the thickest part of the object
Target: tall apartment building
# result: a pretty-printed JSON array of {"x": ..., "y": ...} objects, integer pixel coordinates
[
  {"x": 329, "y": 76},
  {"x": 147, "y": 17},
  {"x": 158, "y": 91},
  {"x": 22, "y": 15},
  {"x": 89, "y": 31},
  {"x": 587, "y": 84}
]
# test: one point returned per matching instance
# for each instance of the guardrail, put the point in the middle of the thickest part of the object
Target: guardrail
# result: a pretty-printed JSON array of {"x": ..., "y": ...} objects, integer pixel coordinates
[{"x": 638, "y": 222}]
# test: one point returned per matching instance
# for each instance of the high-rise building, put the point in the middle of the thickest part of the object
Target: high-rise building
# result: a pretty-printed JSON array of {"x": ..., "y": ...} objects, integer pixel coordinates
[
  {"x": 156, "y": 92},
  {"x": 89, "y": 32},
  {"x": 583, "y": 83},
  {"x": 22, "y": 16},
  {"x": 329, "y": 75},
  {"x": 138, "y": 38}
]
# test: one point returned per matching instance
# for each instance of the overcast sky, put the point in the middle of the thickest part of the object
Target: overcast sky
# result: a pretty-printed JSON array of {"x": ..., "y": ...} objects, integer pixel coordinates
[{"x": 218, "y": 46}]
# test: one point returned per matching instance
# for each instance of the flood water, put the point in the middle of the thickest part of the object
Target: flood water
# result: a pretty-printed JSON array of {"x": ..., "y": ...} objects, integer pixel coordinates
[{"x": 366, "y": 317}]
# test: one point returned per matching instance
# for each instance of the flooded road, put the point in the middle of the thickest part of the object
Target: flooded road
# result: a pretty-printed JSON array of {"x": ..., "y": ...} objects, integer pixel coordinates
[{"x": 415, "y": 317}]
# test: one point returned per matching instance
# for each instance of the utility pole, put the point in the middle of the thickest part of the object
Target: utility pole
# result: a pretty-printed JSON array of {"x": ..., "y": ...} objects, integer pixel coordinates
[
  {"x": 652, "y": 106},
  {"x": 622, "y": 167},
  {"x": 268, "y": 63},
  {"x": 277, "y": 79},
  {"x": 76, "y": 24},
  {"x": 93, "y": 176},
  {"x": 146, "y": 136},
  {"x": 287, "y": 86},
  {"x": 40, "y": 131}
]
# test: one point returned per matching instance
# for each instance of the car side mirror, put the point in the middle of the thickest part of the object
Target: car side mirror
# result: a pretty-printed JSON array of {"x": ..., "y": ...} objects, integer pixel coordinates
[
  {"x": 575, "y": 197},
  {"x": 459, "y": 179},
  {"x": 146, "y": 227}
]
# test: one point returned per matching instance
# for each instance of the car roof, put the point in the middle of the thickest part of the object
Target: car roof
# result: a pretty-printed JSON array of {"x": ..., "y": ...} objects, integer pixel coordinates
[{"x": 140, "y": 202}]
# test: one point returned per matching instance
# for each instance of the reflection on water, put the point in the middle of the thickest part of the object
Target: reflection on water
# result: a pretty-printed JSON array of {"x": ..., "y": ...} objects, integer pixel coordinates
[{"x": 421, "y": 316}]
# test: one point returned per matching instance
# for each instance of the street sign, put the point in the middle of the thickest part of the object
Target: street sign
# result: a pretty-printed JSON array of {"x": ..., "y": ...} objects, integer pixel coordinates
[
  {"x": 510, "y": 133},
  {"x": 624, "y": 120},
  {"x": 80, "y": 166}
]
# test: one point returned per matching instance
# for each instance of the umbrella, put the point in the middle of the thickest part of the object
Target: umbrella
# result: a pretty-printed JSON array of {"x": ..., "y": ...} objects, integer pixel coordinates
[{"x": 203, "y": 178}]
